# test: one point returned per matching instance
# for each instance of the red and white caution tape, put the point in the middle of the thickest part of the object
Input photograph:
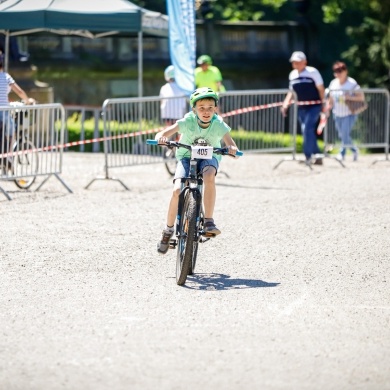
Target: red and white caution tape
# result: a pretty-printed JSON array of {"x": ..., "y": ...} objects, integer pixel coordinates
[
  {"x": 87, "y": 141},
  {"x": 264, "y": 106},
  {"x": 156, "y": 130}
]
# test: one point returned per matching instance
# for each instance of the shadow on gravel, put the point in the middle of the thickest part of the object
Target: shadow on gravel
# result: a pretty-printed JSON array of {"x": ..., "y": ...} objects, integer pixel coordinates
[{"x": 214, "y": 282}]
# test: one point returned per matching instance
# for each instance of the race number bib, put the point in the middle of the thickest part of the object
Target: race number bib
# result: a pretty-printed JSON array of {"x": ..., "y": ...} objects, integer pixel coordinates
[{"x": 202, "y": 152}]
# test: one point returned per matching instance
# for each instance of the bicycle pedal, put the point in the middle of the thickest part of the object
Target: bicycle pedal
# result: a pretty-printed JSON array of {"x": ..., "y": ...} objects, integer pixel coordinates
[
  {"x": 204, "y": 239},
  {"x": 209, "y": 235},
  {"x": 172, "y": 244}
]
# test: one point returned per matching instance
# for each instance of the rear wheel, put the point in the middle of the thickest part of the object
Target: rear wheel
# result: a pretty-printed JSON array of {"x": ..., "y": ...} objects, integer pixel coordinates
[
  {"x": 186, "y": 238},
  {"x": 170, "y": 161},
  {"x": 25, "y": 163}
]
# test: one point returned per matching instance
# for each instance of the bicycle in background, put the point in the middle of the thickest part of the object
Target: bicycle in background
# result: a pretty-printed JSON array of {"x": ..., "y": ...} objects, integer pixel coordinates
[
  {"x": 189, "y": 227},
  {"x": 22, "y": 161}
]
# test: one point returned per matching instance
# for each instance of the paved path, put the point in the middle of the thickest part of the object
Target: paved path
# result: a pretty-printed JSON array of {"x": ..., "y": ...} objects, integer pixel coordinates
[{"x": 294, "y": 294}]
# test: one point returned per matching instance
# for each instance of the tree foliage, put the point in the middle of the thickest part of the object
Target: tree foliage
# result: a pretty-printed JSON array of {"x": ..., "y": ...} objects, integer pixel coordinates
[
  {"x": 369, "y": 53},
  {"x": 365, "y": 22}
]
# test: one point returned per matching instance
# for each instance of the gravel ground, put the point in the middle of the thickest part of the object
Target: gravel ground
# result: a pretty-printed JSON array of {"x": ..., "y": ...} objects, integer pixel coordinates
[{"x": 294, "y": 294}]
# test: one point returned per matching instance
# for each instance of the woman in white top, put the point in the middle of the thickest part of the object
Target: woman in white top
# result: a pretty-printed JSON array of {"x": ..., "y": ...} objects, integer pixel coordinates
[{"x": 342, "y": 89}]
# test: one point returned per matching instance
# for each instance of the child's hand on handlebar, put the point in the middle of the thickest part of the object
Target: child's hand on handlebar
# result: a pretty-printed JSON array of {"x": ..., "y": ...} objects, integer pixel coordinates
[
  {"x": 162, "y": 140},
  {"x": 232, "y": 150}
]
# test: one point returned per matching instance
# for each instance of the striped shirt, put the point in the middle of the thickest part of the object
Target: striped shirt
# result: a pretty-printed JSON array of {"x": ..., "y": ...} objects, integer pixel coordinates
[
  {"x": 5, "y": 81},
  {"x": 305, "y": 83}
]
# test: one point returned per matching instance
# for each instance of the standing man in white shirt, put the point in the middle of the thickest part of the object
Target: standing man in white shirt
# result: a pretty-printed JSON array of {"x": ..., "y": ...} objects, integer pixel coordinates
[{"x": 308, "y": 85}]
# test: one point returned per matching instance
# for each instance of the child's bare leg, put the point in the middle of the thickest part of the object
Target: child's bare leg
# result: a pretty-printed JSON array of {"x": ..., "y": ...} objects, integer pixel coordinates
[
  {"x": 163, "y": 244},
  {"x": 210, "y": 192},
  {"x": 173, "y": 204}
]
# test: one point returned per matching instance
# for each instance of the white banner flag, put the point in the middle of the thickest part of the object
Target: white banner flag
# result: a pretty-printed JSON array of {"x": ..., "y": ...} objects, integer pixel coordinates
[{"x": 182, "y": 42}]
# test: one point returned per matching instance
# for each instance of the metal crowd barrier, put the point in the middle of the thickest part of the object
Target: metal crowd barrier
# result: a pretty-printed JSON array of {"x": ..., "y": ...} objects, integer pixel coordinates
[
  {"x": 81, "y": 114},
  {"x": 128, "y": 123},
  {"x": 371, "y": 128},
  {"x": 254, "y": 117},
  {"x": 36, "y": 149},
  {"x": 256, "y": 121}
]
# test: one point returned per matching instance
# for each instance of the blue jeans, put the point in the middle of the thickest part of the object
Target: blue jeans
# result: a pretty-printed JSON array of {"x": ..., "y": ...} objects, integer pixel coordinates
[
  {"x": 344, "y": 126},
  {"x": 308, "y": 118}
]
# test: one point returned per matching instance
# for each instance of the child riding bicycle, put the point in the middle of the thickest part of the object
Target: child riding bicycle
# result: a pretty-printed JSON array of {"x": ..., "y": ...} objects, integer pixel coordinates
[{"x": 200, "y": 126}]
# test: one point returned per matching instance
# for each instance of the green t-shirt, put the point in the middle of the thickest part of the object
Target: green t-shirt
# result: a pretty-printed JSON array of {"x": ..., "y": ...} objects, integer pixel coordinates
[
  {"x": 190, "y": 131},
  {"x": 208, "y": 78}
]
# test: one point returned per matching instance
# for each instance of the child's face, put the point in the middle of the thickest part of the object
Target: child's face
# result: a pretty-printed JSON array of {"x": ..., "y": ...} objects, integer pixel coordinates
[{"x": 205, "y": 109}]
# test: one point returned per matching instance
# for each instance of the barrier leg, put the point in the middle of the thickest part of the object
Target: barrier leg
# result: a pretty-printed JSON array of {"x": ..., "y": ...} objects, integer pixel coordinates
[
  {"x": 5, "y": 193},
  {"x": 293, "y": 158},
  {"x": 108, "y": 178},
  {"x": 386, "y": 159},
  {"x": 60, "y": 180}
]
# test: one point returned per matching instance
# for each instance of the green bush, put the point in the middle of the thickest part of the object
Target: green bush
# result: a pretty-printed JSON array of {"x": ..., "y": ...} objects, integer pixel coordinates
[
  {"x": 256, "y": 140},
  {"x": 73, "y": 125},
  {"x": 262, "y": 140}
]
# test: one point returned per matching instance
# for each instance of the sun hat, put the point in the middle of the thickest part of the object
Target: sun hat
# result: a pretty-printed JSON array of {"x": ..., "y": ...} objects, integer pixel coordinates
[
  {"x": 204, "y": 59},
  {"x": 298, "y": 56}
]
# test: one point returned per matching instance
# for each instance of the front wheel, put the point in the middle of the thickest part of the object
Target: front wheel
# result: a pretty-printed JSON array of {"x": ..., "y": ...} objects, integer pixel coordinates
[
  {"x": 196, "y": 244},
  {"x": 186, "y": 238},
  {"x": 25, "y": 163}
]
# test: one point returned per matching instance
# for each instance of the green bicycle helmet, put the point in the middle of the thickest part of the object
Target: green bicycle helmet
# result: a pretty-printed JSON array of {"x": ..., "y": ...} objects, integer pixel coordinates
[
  {"x": 204, "y": 59},
  {"x": 203, "y": 93}
]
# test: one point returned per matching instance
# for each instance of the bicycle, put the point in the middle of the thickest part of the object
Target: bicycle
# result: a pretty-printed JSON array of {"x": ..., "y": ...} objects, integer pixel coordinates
[
  {"x": 169, "y": 157},
  {"x": 189, "y": 227},
  {"x": 170, "y": 161},
  {"x": 24, "y": 162}
]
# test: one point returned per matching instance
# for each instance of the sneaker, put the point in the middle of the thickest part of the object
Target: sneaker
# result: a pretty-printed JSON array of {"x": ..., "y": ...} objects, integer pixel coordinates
[
  {"x": 210, "y": 229},
  {"x": 163, "y": 244},
  {"x": 340, "y": 157},
  {"x": 355, "y": 155},
  {"x": 318, "y": 161}
]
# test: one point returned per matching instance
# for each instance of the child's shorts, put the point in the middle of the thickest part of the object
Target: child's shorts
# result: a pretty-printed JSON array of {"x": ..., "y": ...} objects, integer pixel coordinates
[
  {"x": 7, "y": 123},
  {"x": 183, "y": 167}
]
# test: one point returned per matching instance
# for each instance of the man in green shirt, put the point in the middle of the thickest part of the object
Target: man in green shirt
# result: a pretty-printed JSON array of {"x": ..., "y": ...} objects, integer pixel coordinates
[{"x": 207, "y": 75}]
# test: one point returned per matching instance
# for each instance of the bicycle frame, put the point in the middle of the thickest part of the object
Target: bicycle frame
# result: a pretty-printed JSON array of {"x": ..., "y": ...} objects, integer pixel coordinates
[
  {"x": 189, "y": 221},
  {"x": 192, "y": 183}
]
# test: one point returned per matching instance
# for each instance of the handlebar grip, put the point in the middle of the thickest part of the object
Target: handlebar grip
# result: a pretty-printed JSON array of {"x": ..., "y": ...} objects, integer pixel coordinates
[
  {"x": 239, "y": 153},
  {"x": 151, "y": 142}
]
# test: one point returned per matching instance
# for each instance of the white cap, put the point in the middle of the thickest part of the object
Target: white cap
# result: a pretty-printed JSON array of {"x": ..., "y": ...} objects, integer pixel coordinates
[{"x": 298, "y": 56}]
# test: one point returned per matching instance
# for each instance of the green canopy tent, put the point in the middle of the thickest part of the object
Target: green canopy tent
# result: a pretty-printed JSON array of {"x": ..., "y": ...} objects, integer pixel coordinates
[{"x": 85, "y": 18}]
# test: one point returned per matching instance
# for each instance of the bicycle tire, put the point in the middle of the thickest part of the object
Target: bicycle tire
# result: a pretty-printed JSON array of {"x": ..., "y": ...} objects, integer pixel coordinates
[
  {"x": 185, "y": 245},
  {"x": 196, "y": 245},
  {"x": 170, "y": 161},
  {"x": 25, "y": 165}
]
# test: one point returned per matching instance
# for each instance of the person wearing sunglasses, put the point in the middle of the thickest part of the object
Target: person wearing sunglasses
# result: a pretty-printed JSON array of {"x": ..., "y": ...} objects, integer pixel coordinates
[
  {"x": 341, "y": 90},
  {"x": 308, "y": 85}
]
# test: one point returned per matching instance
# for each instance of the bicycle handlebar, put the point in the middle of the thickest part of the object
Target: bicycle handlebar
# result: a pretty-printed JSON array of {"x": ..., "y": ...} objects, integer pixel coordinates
[{"x": 222, "y": 151}]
